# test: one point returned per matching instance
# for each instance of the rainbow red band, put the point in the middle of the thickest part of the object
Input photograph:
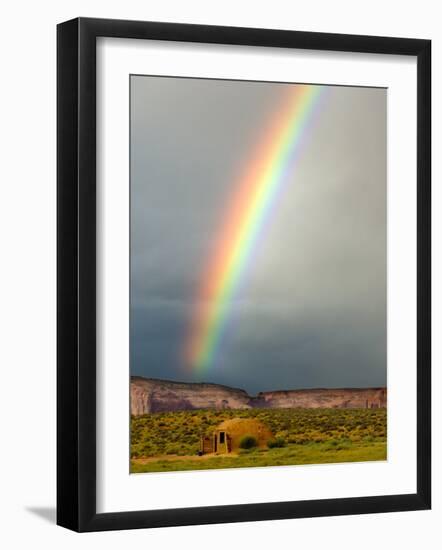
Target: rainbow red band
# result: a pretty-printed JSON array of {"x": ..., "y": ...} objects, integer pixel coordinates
[{"x": 247, "y": 213}]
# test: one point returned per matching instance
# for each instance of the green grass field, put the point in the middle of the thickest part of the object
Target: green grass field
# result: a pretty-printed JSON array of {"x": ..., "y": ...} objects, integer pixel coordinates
[{"x": 170, "y": 441}]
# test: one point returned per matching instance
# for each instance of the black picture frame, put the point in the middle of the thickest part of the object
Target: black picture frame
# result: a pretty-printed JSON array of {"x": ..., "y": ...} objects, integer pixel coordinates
[{"x": 76, "y": 273}]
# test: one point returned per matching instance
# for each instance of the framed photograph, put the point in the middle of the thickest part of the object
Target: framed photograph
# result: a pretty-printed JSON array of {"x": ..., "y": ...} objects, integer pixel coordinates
[{"x": 243, "y": 274}]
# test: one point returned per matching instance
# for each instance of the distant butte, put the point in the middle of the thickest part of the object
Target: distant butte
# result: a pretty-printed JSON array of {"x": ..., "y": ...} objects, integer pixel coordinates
[{"x": 150, "y": 395}]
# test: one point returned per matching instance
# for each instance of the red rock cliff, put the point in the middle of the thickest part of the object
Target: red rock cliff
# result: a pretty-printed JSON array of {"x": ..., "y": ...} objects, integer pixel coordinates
[
  {"x": 351, "y": 398},
  {"x": 150, "y": 395}
]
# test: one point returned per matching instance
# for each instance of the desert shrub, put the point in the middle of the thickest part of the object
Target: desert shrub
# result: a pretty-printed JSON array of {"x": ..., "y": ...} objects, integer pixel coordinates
[
  {"x": 251, "y": 451},
  {"x": 159, "y": 433},
  {"x": 344, "y": 444},
  {"x": 248, "y": 442},
  {"x": 172, "y": 450},
  {"x": 276, "y": 443},
  {"x": 332, "y": 445}
]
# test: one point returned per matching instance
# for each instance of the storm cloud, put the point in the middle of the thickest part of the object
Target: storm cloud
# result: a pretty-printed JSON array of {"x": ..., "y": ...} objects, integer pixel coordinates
[{"x": 312, "y": 307}]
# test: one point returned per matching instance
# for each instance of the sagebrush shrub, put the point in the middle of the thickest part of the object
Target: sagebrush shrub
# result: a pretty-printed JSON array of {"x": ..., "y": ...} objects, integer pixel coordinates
[{"x": 248, "y": 442}]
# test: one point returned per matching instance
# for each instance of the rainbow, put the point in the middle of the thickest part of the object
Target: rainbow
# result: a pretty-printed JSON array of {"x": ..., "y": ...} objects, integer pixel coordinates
[{"x": 246, "y": 215}]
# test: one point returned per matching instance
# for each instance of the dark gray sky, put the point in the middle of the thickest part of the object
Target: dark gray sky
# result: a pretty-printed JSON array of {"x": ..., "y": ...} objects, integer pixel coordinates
[{"x": 312, "y": 309}]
